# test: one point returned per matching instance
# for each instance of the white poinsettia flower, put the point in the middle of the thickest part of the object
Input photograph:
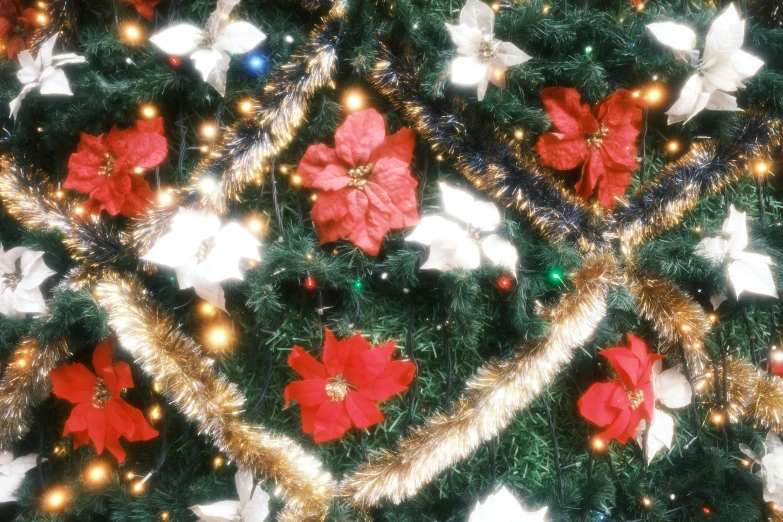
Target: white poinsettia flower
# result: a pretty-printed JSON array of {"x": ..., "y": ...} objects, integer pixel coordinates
[
  {"x": 747, "y": 272},
  {"x": 671, "y": 389},
  {"x": 21, "y": 273},
  {"x": 12, "y": 473},
  {"x": 722, "y": 68},
  {"x": 43, "y": 71},
  {"x": 457, "y": 241},
  {"x": 203, "y": 254},
  {"x": 771, "y": 471},
  {"x": 252, "y": 506},
  {"x": 504, "y": 507},
  {"x": 209, "y": 48},
  {"x": 484, "y": 59}
]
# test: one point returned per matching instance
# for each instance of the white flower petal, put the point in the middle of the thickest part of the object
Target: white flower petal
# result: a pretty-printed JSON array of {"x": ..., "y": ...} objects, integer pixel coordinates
[
  {"x": 660, "y": 435},
  {"x": 257, "y": 509},
  {"x": 468, "y": 70},
  {"x": 243, "y": 480},
  {"x": 692, "y": 101},
  {"x": 16, "y": 103},
  {"x": 726, "y": 34},
  {"x": 479, "y": 15},
  {"x": 500, "y": 252},
  {"x": 504, "y": 507},
  {"x": 431, "y": 227},
  {"x": 483, "y": 215},
  {"x": 457, "y": 203},
  {"x": 751, "y": 273},
  {"x": 238, "y": 38},
  {"x": 54, "y": 81},
  {"x": 672, "y": 389},
  {"x": 466, "y": 256},
  {"x": 223, "y": 511},
  {"x": 29, "y": 71},
  {"x": 206, "y": 61},
  {"x": 466, "y": 38},
  {"x": 717, "y": 299},
  {"x": 677, "y": 36},
  {"x": 509, "y": 54},
  {"x": 12, "y": 473},
  {"x": 178, "y": 40}
]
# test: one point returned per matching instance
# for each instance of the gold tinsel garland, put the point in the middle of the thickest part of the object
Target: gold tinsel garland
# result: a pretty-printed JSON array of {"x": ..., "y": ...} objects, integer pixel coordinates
[
  {"x": 25, "y": 384},
  {"x": 498, "y": 391},
  {"x": 189, "y": 382},
  {"x": 752, "y": 394},
  {"x": 679, "y": 320},
  {"x": 271, "y": 126}
]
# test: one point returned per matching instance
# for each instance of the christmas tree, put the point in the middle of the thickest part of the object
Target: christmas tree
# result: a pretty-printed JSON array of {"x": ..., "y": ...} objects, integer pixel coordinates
[{"x": 414, "y": 260}]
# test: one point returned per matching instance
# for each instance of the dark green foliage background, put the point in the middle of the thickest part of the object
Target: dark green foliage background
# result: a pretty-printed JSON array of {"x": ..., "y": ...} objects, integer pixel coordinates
[{"x": 450, "y": 323}]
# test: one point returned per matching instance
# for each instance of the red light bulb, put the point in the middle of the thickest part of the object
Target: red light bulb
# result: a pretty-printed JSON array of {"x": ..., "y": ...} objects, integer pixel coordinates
[
  {"x": 310, "y": 283},
  {"x": 505, "y": 283},
  {"x": 175, "y": 61}
]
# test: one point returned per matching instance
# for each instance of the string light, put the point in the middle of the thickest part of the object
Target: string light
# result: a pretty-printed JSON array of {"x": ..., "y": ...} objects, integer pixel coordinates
[
  {"x": 59, "y": 194},
  {"x": 157, "y": 387},
  {"x": 78, "y": 210},
  {"x": 598, "y": 444},
  {"x": 165, "y": 197},
  {"x": 288, "y": 38},
  {"x": 640, "y": 6},
  {"x": 354, "y": 100},
  {"x": 156, "y": 413},
  {"x": 706, "y": 510},
  {"x": 761, "y": 168},
  {"x": 207, "y": 309},
  {"x": 672, "y": 146},
  {"x": 646, "y": 501},
  {"x": 496, "y": 7},
  {"x": 217, "y": 462},
  {"x": 148, "y": 111},
  {"x": 204, "y": 149},
  {"x": 58, "y": 450},
  {"x": 296, "y": 179},
  {"x": 165, "y": 516},
  {"x": 519, "y": 134},
  {"x": 138, "y": 487},
  {"x": 246, "y": 106},
  {"x": 504, "y": 282},
  {"x": 255, "y": 224},
  {"x": 283, "y": 169},
  {"x": 55, "y": 499},
  {"x": 654, "y": 95},
  {"x": 545, "y": 9},
  {"x": 310, "y": 283},
  {"x": 207, "y": 185},
  {"x": 218, "y": 338},
  {"x": 129, "y": 475},
  {"x": 42, "y": 19},
  {"x": 97, "y": 474},
  {"x": 746, "y": 463},
  {"x": 131, "y": 33},
  {"x": 439, "y": 157},
  {"x": 717, "y": 418},
  {"x": 209, "y": 131}
]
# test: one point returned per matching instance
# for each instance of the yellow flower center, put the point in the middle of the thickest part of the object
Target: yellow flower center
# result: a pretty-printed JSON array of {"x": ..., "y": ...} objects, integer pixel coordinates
[
  {"x": 635, "y": 397},
  {"x": 359, "y": 175},
  {"x": 337, "y": 388},
  {"x": 101, "y": 394},
  {"x": 108, "y": 166},
  {"x": 486, "y": 51},
  {"x": 595, "y": 139}
]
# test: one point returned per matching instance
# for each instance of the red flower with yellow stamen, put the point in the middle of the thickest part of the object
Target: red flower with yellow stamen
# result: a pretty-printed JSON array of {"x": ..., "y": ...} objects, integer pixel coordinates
[{"x": 343, "y": 390}]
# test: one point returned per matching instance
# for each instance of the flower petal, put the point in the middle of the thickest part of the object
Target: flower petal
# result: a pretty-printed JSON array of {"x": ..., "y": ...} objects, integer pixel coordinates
[
  {"x": 73, "y": 382},
  {"x": 362, "y": 411},
  {"x": 310, "y": 392},
  {"x": 566, "y": 111},
  {"x": 305, "y": 364},
  {"x": 561, "y": 151},
  {"x": 331, "y": 421},
  {"x": 360, "y": 134}
]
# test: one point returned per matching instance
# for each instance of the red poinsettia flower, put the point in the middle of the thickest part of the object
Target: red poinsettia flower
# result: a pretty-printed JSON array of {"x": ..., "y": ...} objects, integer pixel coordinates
[
  {"x": 366, "y": 182},
  {"x": 620, "y": 405},
  {"x": 145, "y": 8},
  {"x": 16, "y": 27},
  {"x": 344, "y": 389},
  {"x": 602, "y": 141},
  {"x": 100, "y": 414},
  {"x": 109, "y": 167}
]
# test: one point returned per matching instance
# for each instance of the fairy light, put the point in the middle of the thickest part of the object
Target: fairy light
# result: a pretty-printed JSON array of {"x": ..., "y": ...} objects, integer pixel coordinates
[
  {"x": 209, "y": 131},
  {"x": 97, "y": 474},
  {"x": 42, "y": 19},
  {"x": 138, "y": 487},
  {"x": 165, "y": 197},
  {"x": 157, "y": 387},
  {"x": 654, "y": 95},
  {"x": 717, "y": 418},
  {"x": 646, "y": 501},
  {"x": 207, "y": 309},
  {"x": 777, "y": 357},
  {"x": 165, "y": 516},
  {"x": 598, "y": 444},
  {"x": 255, "y": 224},
  {"x": 148, "y": 111},
  {"x": 59, "y": 194},
  {"x": 131, "y": 33},
  {"x": 283, "y": 169},
  {"x": 41, "y": 5},
  {"x": 138, "y": 170},
  {"x": 78, "y": 210},
  {"x": 218, "y": 338},
  {"x": 55, "y": 499},
  {"x": 156, "y": 413},
  {"x": 496, "y": 7},
  {"x": 545, "y": 9},
  {"x": 439, "y": 157},
  {"x": 746, "y": 463},
  {"x": 296, "y": 179},
  {"x": 640, "y": 6},
  {"x": 761, "y": 168},
  {"x": 672, "y": 146},
  {"x": 354, "y": 100},
  {"x": 58, "y": 450},
  {"x": 204, "y": 149},
  {"x": 217, "y": 462},
  {"x": 519, "y": 134},
  {"x": 130, "y": 475},
  {"x": 313, "y": 197},
  {"x": 245, "y": 106},
  {"x": 207, "y": 185}
]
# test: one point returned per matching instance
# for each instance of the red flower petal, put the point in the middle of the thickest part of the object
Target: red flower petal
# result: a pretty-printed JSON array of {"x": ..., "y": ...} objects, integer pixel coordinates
[
  {"x": 102, "y": 356},
  {"x": 368, "y": 233},
  {"x": 398, "y": 146},
  {"x": 619, "y": 112},
  {"x": 619, "y": 428},
  {"x": 595, "y": 404},
  {"x": 145, "y": 8},
  {"x": 305, "y": 365},
  {"x": 78, "y": 420},
  {"x": 360, "y": 134},
  {"x": 362, "y": 411},
  {"x": 112, "y": 443},
  {"x": 365, "y": 365},
  {"x": 308, "y": 419},
  {"x": 80, "y": 438},
  {"x": 321, "y": 168},
  {"x": 310, "y": 392},
  {"x": 336, "y": 352},
  {"x": 565, "y": 108},
  {"x": 561, "y": 151},
  {"x": 396, "y": 377},
  {"x": 625, "y": 363},
  {"x": 117, "y": 417},
  {"x": 96, "y": 427},
  {"x": 331, "y": 422},
  {"x": 73, "y": 382},
  {"x": 141, "y": 428}
]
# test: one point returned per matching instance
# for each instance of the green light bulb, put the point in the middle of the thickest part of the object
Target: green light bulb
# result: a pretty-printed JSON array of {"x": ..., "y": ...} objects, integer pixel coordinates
[{"x": 358, "y": 284}]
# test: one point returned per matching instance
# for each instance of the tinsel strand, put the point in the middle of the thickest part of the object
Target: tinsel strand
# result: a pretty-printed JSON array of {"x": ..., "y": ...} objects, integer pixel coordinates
[
  {"x": 498, "y": 391},
  {"x": 25, "y": 384},
  {"x": 708, "y": 167},
  {"x": 752, "y": 394},
  {"x": 164, "y": 353},
  {"x": 485, "y": 157},
  {"x": 61, "y": 18},
  {"x": 27, "y": 196},
  {"x": 678, "y": 319},
  {"x": 246, "y": 148}
]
